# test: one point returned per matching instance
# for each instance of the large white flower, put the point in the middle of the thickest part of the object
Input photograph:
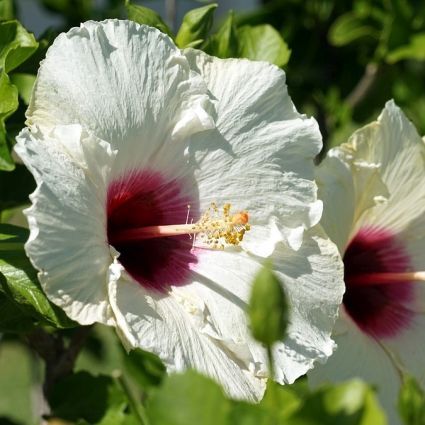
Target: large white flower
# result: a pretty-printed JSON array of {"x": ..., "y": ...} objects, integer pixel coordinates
[
  {"x": 373, "y": 190},
  {"x": 137, "y": 149}
]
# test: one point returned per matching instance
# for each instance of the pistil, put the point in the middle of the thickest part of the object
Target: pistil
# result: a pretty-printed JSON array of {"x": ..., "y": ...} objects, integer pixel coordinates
[
  {"x": 214, "y": 228},
  {"x": 386, "y": 278}
]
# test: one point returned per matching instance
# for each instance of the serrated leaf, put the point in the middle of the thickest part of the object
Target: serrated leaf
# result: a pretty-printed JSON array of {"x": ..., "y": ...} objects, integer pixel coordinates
[
  {"x": 411, "y": 402},
  {"x": 145, "y": 368},
  {"x": 146, "y": 16},
  {"x": 19, "y": 279},
  {"x": 196, "y": 25},
  {"x": 16, "y": 45},
  {"x": 188, "y": 398},
  {"x": 263, "y": 42},
  {"x": 349, "y": 28},
  {"x": 224, "y": 43},
  {"x": 268, "y": 309}
]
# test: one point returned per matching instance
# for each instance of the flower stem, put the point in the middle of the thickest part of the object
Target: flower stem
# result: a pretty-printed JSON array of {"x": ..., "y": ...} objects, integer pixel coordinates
[{"x": 137, "y": 408}]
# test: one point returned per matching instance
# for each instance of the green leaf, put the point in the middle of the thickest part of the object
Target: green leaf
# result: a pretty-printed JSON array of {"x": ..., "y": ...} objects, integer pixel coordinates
[
  {"x": 8, "y": 97},
  {"x": 411, "y": 402},
  {"x": 196, "y": 25},
  {"x": 144, "y": 367},
  {"x": 12, "y": 319},
  {"x": 16, "y": 45},
  {"x": 24, "y": 84},
  {"x": 414, "y": 50},
  {"x": 224, "y": 43},
  {"x": 7, "y": 10},
  {"x": 250, "y": 414},
  {"x": 188, "y": 399},
  {"x": 350, "y": 403},
  {"x": 89, "y": 399},
  {"x": 146, "y": 16},
  {"x": 349, "y": 28},
  {"x": 8, "y": 105},
  {"x": 19, "y": 279},
  {"x": 268, "y": 308},
  {"x": 283, "y": 400},
  {"x": 263, "y": 42}
]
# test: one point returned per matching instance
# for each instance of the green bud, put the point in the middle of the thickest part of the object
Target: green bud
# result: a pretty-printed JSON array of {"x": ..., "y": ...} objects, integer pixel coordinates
[{"x": 268, "y": 308}]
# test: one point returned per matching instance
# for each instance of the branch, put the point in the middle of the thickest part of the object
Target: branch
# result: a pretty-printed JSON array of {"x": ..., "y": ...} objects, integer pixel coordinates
[
  {"x": 59, "y": 359},
  {"x": 363, "y": 87}
]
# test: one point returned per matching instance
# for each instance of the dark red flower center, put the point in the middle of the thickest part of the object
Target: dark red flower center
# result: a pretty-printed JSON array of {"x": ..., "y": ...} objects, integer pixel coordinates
[
  {"x": 146, "y": 198},
  {"x": 379, "y": 309}
]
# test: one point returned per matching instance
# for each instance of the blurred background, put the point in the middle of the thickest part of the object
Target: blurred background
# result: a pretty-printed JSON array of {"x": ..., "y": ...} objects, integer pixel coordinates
[{"x": 348, "y": 57}]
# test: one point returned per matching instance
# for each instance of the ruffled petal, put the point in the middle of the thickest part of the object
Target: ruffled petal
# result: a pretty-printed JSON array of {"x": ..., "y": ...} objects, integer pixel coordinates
[
  {"x": 379, "y": 194},
  {"x": 127, "y": 84},
  {"x": 260, "y": 157},
  {"x": 170, "y": 326},
  {"x": 67, "y": 219},
  {"x": 313, "y": 282}
]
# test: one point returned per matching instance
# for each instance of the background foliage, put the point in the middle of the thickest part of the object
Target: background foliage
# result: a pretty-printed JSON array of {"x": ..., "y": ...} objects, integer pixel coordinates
[{"x": 343, "y": 60}]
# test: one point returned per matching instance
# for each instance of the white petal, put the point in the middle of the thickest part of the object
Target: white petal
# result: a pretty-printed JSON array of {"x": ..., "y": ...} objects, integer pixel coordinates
[
  {"x": 260, "y": 156},
  {"x": 169, "y": 326},
  {"x": 67, "y": 221},
  {"x": 386, "y": 163},
  {"x": 313, "y": 282},
  {"x": 357, "y": 355},
  {"x": 127, "y": 84},
  {"x": 348, "y": 188}
]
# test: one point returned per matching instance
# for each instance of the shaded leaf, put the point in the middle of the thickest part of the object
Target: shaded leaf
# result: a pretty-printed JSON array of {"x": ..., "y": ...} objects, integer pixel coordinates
[
  {"x": 12, "y": 319},
  {"x": 144, "y": 367},
  {"x": 349, "y": 28},
  {"x": 224, "y": 43},
  {"x": 16, "y": 45},
  {"x": 196, "y": 25},
  {"x": 89, "y": 399},
  {"x": 8, "y": 105},
  {"x": 146, "y": 16},
  {"x": 19, "y": 279},
  {"x": 414, "y": 50},
  {"x": 15, "y": 187},
  {"x": 24, "y": 83}
]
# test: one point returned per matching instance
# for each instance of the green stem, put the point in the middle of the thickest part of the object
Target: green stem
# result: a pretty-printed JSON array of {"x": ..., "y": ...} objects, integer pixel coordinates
[
  {"x": 137, "y": 408},
  {"x": 270, "y": 361}
]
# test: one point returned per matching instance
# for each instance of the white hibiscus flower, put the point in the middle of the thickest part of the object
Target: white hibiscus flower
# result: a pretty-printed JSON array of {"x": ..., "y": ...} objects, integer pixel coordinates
[
  {"x": 373, "y": 188},
  {"x": 138, "y": 150}
]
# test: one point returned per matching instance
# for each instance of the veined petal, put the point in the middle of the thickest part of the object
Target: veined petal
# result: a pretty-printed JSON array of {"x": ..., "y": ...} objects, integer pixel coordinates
[
  {"x": 313, "y": 282},
  {"x": 260, "y": 156},
  {"x": 127, "y": 84},
  {"x": 67, "y": 221},
  {"x": 169, "y": 327},
  {"x": 380, "y": 235},
  {"x": 381, "y": 195}
]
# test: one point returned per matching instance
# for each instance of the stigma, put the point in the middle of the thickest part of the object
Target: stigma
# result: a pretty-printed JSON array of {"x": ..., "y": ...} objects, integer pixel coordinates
[{"x": 216, "y": 229}]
